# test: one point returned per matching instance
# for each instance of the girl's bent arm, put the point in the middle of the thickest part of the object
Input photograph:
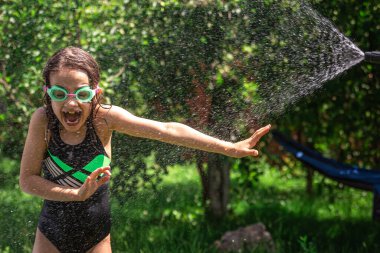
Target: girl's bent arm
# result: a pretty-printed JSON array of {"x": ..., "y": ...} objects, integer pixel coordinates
[
  {"x": 180, "y": 134},
  {"x": 30, "y": 171}
]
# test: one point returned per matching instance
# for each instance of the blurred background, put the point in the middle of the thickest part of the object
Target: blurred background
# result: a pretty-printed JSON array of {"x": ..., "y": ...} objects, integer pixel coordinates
[{"x": 198, "y": 62}]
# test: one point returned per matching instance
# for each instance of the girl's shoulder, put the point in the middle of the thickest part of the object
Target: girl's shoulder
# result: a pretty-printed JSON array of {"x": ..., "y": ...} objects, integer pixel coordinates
[
  {"x": 108, "y": 112},
  {"x": 39, "y": 116},
  {"x": 102, "y": 117},
  {"x": 102, "y": 112},
  {"x": 111, "y": 114},
  {"x": 38, "y": 126},
  {"x": 103, "y": 122}
]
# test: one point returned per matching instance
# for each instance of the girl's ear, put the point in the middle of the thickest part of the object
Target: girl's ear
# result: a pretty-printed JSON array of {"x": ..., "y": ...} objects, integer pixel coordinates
[{"x": 99, "y": 91}]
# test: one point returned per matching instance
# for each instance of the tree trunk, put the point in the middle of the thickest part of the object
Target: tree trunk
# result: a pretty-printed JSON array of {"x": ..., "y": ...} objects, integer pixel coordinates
[
  {"x": 215, "y": 178},
  {"x": 309, "y": 170},
  {"x": 309, "y": 181}
]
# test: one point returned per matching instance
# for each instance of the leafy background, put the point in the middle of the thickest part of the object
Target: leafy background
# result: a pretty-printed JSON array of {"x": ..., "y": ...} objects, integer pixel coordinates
[{"x": 163, "y": 59}]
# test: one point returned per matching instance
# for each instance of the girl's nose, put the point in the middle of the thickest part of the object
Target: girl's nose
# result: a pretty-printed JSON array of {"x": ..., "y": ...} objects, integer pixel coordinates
[{"x": 71, "y": 101}]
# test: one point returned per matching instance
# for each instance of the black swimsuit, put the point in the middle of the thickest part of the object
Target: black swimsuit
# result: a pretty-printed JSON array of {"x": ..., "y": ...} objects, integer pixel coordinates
[{"x": 75, "y": 226}]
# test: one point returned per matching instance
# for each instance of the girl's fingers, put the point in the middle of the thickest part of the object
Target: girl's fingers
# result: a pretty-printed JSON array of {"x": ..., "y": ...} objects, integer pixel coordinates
[
  {"x": 92, "y": 184},
  {"x": 262, "y": 131},
  {"x": 105, "y": 169},
  {"x": 87, "y": 179},
  {"x": 105, "y": 177},
  {"x": 96, "y": 173},
  {"x": 103, "y": 180},
  {"x": 258, "y": 134},
  {"x": 107, "y": 172},
  {"x": 254, "y": 152}
]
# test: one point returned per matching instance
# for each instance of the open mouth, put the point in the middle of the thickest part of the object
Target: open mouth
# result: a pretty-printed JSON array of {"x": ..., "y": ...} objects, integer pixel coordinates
[{"x": 72, "y": 118}]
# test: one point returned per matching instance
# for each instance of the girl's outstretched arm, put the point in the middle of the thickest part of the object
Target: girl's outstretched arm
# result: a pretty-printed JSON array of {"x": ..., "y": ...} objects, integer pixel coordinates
[{"x": 180, "y": 134}]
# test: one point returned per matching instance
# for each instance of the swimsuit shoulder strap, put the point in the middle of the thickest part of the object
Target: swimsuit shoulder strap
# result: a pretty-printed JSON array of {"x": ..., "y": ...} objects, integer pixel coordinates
[{"x": 47, "y": 136}]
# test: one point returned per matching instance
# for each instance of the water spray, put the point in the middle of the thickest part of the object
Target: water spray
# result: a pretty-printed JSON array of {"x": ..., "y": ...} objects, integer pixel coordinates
[{"x": 372, "y": 57}]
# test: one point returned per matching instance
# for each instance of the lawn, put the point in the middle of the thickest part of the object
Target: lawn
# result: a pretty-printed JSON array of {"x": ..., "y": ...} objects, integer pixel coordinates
[{"x": 171, "y": 219}]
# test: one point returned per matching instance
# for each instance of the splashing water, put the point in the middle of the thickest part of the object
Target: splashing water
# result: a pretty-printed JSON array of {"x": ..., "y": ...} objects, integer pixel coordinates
[
  {"x": 296, "y": 50},
  {"x": 281, "y": 50},
  {"x": 243, "y": 63}
]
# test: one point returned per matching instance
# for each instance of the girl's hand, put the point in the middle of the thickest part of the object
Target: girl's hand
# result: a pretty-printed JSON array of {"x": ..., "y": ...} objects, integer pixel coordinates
[
  {"x": 92, "y": 183},
  {"x": 244, "y": 148}
]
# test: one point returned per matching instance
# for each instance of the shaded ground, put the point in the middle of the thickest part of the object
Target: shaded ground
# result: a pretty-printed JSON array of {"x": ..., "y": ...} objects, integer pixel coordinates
[{"x": 172, "y": 220}]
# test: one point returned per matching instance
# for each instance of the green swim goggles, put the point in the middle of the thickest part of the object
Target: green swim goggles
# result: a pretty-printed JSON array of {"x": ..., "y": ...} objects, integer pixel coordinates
[{"x": 59, "y": 94}]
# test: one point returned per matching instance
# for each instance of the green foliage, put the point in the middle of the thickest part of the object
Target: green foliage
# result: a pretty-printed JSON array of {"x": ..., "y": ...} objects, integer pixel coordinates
[
  {"x": 30, "y": 31},
  {"x": 9, "y": 175},
  {"x": 171, "y": 218},
  {"x": 307, "y": 247},
  {"x": 246, "y": 173},
  {"x": 342, "y": 118},
  {"x": 182, "y": 61}
]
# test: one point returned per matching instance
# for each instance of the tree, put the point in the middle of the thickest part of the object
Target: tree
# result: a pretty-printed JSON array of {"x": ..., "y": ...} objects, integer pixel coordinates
[{"x": 211, "y": 64}]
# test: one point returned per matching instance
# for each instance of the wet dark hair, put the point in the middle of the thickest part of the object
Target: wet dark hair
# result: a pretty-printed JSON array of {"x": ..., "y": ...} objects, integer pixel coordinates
[{"x": 71, "y": 58}]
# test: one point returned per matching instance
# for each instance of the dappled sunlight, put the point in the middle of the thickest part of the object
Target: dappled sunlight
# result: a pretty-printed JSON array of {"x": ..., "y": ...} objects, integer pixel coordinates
[{"x": 188, "y": 93}]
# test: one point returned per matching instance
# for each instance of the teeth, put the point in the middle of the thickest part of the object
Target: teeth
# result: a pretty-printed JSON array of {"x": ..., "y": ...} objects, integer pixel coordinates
[{"x": 72, "y": 112}]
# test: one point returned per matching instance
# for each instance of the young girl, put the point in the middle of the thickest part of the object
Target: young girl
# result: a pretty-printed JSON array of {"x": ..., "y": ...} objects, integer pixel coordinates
[{"x": 69, "y": 140}]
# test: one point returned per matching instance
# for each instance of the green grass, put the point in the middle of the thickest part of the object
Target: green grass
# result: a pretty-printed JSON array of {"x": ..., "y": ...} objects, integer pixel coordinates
[{"x": 171, "y": 220}]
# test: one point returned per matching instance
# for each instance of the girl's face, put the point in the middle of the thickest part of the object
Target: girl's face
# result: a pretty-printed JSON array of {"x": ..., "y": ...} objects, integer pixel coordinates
[{"x": 71, "y": 113}]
